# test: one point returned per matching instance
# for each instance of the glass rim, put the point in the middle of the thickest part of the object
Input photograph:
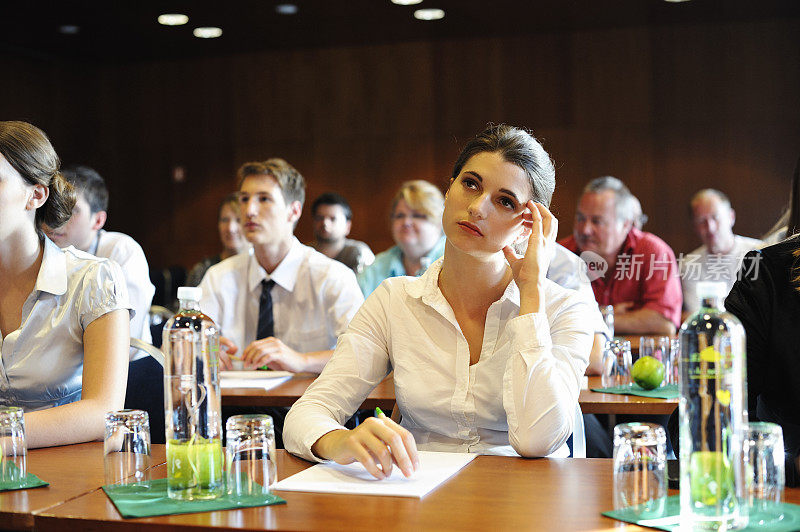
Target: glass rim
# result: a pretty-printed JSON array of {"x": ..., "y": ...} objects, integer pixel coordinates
[
  {"x": 763, "y": 427},
  {"x": 618, "y": 343},
  {"x": 637, "y": 431},
  {"x": 11, "y": 412},
  {"x": 127, "y": 416},
  {"x": 249, "y": 421}
]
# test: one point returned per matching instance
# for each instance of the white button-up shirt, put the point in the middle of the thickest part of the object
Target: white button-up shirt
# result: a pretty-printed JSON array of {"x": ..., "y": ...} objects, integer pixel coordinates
[
  {"x": 523, "y": 391},
  {"x": 313, "y": 300},
  {"x": 126, "y": 252},
  {"x": 700, "y": 265},
  {"x": 41, "y": 363}
]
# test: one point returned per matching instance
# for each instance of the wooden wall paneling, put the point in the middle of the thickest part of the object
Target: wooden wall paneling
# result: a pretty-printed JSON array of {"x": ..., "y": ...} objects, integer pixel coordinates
[{"x": 666, "y": 108}]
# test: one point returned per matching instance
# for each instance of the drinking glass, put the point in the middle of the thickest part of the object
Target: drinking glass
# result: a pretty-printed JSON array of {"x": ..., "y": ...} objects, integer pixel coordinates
[
  {"x": 616, "y": 363},
  {"x": 13, "y": 449},
  {"x": 608, "y": 317},
  {"x": 127, "y": 448},
  {"x": 250, "y": 455},
  {"x": 674, "y": 361},
  {"x": 656, "y": 347},
  {"x": 640, "y": 474},
  {"x": 764, "y": 459}
]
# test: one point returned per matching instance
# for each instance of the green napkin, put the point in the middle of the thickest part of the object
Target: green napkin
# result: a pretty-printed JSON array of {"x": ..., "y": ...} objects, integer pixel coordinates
[
  {"x": 10, "y": 469},
  {"x": 780, "y": 517},
  {"x": 668, "y": 391},
  {"x": 138, "y": 500}
]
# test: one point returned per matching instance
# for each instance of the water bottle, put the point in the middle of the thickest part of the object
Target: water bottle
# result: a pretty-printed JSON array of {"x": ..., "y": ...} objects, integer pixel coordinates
[
  {"x": 192, "y": 402},
  {"x": 713, "y": 415}
]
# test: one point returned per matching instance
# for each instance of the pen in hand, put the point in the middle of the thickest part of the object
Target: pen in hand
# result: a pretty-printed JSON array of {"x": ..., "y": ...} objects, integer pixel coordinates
[{"x": 413, "y": 463}]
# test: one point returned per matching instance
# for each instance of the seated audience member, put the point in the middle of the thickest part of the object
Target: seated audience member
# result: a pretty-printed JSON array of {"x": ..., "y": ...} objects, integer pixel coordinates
[
  {"x": 641, "y": 276},
  {"x": 568, "y": 270},
  {"x": 84, "y": 230},
  {"x": 332, "y": 218},
  {"x": 719, "y": 257},
  {"x": 64, "y": 315},
  {"x": 789, "y": 222},
  {"x": 229, "y": 224},
  {"x": 487, "y": 353},
  {"x": 416, "y": 224},
  {"x": 768, "y": 304},
  {"x": 283, "y": 304}
]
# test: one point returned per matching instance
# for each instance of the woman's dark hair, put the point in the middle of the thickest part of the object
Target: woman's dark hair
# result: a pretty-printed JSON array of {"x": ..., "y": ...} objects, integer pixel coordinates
[
  {"x": 518, "y": 147},
  {"x": 790, "y": 219},
  {"x": 28, "y": 150},
  {"x": 793, "y": 220}
]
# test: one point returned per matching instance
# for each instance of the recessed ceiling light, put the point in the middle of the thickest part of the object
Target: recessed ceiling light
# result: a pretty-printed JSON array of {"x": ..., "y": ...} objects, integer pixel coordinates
[
  {"x": 406, "y": 2},
  {"x": 208, "y": 32},
  {"x": 286, "y": 9},
  {"x": 69, "y": 29},
  {"x": 429, "y": 14},
  {"x": 173, "y": 19}
]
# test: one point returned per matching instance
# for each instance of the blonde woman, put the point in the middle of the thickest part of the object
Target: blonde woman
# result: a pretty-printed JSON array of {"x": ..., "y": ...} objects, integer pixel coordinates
[{"x": 416, "y": 224}]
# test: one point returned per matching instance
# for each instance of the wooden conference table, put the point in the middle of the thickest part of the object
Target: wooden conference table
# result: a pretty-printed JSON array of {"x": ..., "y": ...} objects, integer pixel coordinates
[
  {"x": 383, "y": 396},
  {"x": 492, "y": 492}
]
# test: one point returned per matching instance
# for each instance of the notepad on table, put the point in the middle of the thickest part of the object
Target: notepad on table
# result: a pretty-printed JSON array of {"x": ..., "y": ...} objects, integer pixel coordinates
[
  {"x": 353, "y": 479},
  {"x": 253, "y": 379}
]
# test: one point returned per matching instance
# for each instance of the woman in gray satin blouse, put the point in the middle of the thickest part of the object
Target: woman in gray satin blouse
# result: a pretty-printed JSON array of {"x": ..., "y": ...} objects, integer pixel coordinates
[{"x": 64, "y": 318}]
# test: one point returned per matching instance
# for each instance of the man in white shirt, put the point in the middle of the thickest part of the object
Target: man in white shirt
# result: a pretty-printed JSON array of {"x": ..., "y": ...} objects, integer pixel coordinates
[
  {"x": 84, "y": 230},
  {"x": 284, "y": 304},
  {"x": 719, "y": 257}
]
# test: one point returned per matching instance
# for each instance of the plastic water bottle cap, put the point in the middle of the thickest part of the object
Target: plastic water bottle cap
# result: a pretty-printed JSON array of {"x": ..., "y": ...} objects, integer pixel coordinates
[{"x": 193, "y": 293}]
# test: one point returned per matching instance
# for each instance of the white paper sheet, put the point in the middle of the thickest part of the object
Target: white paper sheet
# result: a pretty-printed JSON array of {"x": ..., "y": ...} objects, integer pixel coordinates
[
  {"x": 253, "y": 379},
  {"x": 330, "y": 477}
]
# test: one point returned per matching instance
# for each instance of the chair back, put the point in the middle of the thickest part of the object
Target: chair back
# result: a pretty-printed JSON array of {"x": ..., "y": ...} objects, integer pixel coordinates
[{"x": 145, "y": 389}]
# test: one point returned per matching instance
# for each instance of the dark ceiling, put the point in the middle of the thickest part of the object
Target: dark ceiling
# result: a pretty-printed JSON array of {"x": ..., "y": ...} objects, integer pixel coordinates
[{"x": 127, "y": 30}]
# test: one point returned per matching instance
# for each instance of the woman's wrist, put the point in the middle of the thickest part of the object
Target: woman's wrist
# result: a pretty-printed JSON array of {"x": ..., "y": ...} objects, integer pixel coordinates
[
  {"x": 322, "y": 447},
  {"x": 531, "y": 299}
]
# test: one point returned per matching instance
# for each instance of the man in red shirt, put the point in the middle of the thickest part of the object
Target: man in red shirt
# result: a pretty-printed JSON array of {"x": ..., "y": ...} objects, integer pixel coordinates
[{"x": 632, "y": 270}]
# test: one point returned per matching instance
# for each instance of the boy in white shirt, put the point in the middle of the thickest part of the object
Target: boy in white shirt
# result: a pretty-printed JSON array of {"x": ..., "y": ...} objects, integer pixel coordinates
[{"x": 284, "y": 304}]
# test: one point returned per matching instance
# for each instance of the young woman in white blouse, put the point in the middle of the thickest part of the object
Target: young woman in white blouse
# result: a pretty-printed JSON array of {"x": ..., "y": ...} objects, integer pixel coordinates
[
  {"x": 487, "y": 353},
  {"x": 64, "y": 319}
]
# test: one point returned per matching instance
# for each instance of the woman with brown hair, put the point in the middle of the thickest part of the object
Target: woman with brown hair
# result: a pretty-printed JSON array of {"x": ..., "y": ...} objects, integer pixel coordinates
[
  {"x": 229, "y": 224},
  {"x": 487, "y": 353},
  {"x": 64, "y": 318},
  {"x": 766, "y": 299}
]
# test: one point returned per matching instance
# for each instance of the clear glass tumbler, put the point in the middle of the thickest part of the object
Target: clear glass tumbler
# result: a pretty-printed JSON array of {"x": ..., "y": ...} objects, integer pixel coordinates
[
  {"x": 674, "y": 361},
  {"x": 616, "y": 364},
  {"x": 250, "y": 455},
  {"x": 764, "y": 469},
  {"x": 127, "y": 448},
  {"x": 658, "y": 348},
  {"x": 640, "y": 473},
  {"x": 13, "y": 448}
]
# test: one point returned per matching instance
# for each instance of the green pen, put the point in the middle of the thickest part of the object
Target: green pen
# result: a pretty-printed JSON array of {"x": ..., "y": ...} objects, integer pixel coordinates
[{"x": 379, "y": 412}]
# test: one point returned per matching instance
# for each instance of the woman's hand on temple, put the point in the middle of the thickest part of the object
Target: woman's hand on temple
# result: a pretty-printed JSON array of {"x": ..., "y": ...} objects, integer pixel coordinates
[
  {"x": 530, "y": 270},
  {"x": 376, "y": 443}
]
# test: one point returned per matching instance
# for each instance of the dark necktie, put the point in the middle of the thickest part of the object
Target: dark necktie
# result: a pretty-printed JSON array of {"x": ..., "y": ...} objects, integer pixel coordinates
[{"x": 266, "y": 322}]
